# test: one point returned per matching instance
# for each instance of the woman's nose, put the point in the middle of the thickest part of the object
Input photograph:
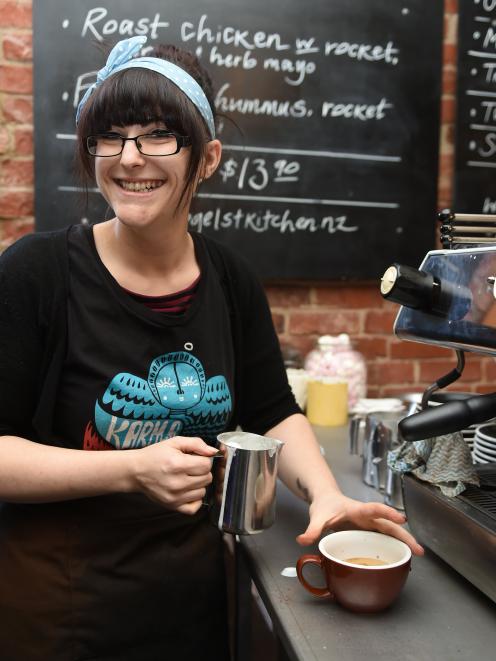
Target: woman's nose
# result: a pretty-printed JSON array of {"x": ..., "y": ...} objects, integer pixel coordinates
[{"x": 131, "y": 155}]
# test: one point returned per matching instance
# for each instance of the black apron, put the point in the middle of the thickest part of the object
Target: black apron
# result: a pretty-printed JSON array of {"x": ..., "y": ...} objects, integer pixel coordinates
[
  {"x": 76, "y": 588},
  {"x": 119, "y": 578}
]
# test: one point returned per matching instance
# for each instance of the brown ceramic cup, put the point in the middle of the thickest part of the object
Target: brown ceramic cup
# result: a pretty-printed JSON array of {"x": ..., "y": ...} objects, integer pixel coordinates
[{"x": 358, "y": 587}]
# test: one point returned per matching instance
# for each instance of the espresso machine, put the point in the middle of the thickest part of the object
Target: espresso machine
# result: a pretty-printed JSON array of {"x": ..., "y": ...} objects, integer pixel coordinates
[{"x": 450, "y": 301}]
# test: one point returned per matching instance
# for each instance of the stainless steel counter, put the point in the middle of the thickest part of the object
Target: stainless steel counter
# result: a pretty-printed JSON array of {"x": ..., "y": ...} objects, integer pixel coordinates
[{"x": 438, "y": 617}]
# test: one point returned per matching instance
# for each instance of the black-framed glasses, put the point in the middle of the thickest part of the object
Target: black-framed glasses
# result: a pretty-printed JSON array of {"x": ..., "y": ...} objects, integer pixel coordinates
[{"x": 158, "y": 143}]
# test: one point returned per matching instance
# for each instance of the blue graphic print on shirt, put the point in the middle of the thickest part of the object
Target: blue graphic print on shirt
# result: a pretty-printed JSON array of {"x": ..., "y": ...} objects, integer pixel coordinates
[{"x": 175, "y": 399}]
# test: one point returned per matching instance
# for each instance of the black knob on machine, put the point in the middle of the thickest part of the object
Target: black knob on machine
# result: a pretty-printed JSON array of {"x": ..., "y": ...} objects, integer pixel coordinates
[
  {"x": 408, "y": 286},
  {"x": 420, "y": 290}
]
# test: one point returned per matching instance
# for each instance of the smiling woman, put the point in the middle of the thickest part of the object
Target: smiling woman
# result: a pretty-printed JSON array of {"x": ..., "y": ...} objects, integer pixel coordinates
[{"x": 145, "y": 341}]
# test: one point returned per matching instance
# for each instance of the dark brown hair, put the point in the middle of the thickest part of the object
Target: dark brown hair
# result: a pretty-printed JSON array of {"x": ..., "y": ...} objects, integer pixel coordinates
[{"x": 141, "y": 96}]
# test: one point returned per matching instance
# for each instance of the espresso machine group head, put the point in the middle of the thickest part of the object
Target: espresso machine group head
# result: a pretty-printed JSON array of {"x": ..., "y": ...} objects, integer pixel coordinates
[{"x": 449, "y": 301}]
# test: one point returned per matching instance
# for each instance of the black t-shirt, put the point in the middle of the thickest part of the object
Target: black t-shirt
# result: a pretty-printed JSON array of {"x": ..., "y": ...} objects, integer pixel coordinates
[
  {"x": 133, "y": 376},
  {"x": 35, "y": 281}
]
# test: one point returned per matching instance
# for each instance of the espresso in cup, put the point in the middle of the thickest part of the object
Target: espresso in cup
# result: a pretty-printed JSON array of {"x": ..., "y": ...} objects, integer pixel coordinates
[
  {"x": 366, "y": 562},
  {"x": 364, "y": 571}
]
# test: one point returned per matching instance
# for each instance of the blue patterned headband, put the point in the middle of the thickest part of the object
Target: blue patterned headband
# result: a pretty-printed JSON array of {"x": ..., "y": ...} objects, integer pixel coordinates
[{"x": 121, "y": 57}]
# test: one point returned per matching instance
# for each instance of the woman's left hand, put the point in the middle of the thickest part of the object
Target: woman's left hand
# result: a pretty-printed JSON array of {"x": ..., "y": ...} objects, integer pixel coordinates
[{"x": 335, "y": 511}]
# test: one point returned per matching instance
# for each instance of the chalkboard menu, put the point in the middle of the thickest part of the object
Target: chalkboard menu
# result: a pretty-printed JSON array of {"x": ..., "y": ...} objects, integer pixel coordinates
[
  {"x": 329, "y": 168},
  {"x": 475, "y": 165}
]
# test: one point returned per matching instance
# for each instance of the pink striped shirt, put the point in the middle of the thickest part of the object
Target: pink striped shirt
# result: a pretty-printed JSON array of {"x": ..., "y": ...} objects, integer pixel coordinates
[{"x": 176, "y": 303}]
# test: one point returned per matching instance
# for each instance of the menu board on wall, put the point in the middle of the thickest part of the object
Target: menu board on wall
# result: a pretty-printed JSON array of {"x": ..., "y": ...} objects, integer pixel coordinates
[
  {"x": 475, "y": 131},
  {"x": 329, "y": 166}
]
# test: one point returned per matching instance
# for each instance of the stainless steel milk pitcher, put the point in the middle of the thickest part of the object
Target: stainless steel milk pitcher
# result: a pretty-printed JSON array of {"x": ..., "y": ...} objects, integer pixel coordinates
[
  {"x": 245, "y": 483},
  {"x": 380, "y": 434}
]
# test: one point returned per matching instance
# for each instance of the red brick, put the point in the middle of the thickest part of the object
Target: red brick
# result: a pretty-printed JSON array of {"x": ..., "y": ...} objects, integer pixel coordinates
[
  {"x": 5, "y": 143},
  {"x": 449, "y": 53},
  {"x": 445, "y": 198},
  {"x": 14, "y": 14},
  {"x": 444, "y": 180},
  {"x": 451, "y": 6},
  {"x": 23, "y": 139},
  {"x": 399, "y": 391},
  {"x": 434, "y": 369},
  {"x": 485, "y": 388},
  {"x": 489, "y": 371},
  {"x": 446, "y": 166},
  {"x": 16, "y": 173},
  {"x": 18, "y": 47},
  {"x": 381, "y": 321},
  {"x": 324, "y": 323},
  {"x": 287, "y": 296},
  {"x": 18, "y": 109},
  {"x": 450, "y": 135},
  {"x": 16, "y": 204},
  {"x": 16, "y": 79},
  {"x": 279, "y": 322},
  {"x": 467, "y": 387},
  {"x": 448, "y": 109},
  {"x": 417, "y": 350},
  {"x": 11, "y": 230},
  {"x": 370, "y": 347},
  {"x": 365, "y": 296},
  {"x": 391, "y": 373}
]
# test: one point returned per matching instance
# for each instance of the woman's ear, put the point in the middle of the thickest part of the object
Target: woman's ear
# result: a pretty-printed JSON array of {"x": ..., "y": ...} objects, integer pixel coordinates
[{"x": 213, "y": 153}]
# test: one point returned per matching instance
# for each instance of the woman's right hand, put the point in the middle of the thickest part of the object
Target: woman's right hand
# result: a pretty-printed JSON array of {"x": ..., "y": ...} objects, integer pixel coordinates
[{"x": 175, "y": 472}]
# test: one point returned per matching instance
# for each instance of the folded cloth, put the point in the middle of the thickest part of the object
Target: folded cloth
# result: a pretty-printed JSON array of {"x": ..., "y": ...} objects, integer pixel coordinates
[{"x": 444, "y": 461}]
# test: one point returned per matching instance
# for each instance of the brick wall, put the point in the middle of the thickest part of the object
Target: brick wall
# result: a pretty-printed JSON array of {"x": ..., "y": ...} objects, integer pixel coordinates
[
  {"x": 301, "y": 312},
  {"x": 16, "y": 120}
]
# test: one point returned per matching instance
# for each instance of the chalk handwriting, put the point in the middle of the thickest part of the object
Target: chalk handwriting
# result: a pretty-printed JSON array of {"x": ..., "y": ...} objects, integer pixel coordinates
[
  {"x": 229, "y": 61},
  {"x": 263, "y": 221},
  {"x": 305, "y": 46},
  {"x": 269, "y": 107},
  {"x": 489, "y": 111},
  {"x": 490, "y": 71},
  {"x": 490, "y": 146},
  {"x": 230, "y": 36},
  {"x": 286, "y": 170},
  {"x": 256, "y": 173},
  {"x": 489, "y": 205},
  {"x": 83, "y": 81},
  {"x": 127, "y": 28},
  {"x": 490, "y": 38},
  {"x": 361, "y": 111},
  {"x": 488, "y": 5},
  {"x": 299, "y": 67},
  {"x": 366, "y": 52}
]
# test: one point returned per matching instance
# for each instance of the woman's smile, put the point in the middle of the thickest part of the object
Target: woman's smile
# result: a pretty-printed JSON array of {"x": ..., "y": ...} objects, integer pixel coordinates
[{"x": 139, "y": 185}]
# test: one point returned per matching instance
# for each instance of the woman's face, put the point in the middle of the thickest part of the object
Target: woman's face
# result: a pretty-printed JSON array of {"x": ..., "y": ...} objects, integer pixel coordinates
[{"x": 141, "y": 189}]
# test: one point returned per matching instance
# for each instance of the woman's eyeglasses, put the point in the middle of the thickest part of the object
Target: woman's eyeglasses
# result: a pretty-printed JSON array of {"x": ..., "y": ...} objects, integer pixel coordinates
[{"x": 158, "y": 143}]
